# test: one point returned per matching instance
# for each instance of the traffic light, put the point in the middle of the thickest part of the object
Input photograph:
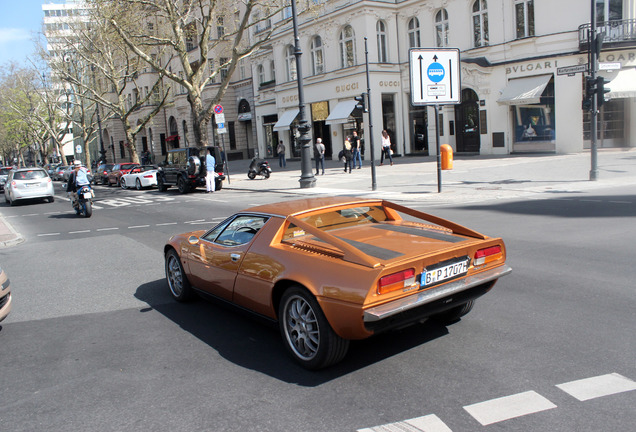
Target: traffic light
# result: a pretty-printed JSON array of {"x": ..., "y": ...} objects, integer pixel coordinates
[
  {"x": 601, "y": 82},
  {"x": 590, "y": 89},
  {"x": 361, "y": 105}
]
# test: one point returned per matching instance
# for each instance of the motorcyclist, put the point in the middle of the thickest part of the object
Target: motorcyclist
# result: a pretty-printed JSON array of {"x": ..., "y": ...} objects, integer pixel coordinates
[{"x": 77, "y": 179}]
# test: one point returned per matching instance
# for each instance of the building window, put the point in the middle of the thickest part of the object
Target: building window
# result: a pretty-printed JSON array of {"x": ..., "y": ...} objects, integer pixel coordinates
[
  {"x": 414, "y": 33},
  {"x": 524, "y": 17},
  {"x": 220, "y": 27},
  {"x": 380, "y": 29},
  {"x": 223, "y": 60},
  {"x": 535, "y": 122},
  {"x": 211, "y": 63},
  {"x": 272, "y": 71},
  {"x": 317, "y": 58},
  {"x": 611, "y": 127},
  {"x": 441, "y": 28},
  {"x": 191, "y": 36},
  {"x": 347, "y": 47},
  {"x": 290, "y": 61},
  {"x": 609, "y": 10},
  {"x": 480, "y": 23},
  {"x": 260, "y": 73}
]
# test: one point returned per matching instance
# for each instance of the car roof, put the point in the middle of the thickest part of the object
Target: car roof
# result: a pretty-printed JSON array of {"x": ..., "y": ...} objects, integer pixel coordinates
[
  {"x": 29, "y": 169},
  {"x": 296, "y": 207}
]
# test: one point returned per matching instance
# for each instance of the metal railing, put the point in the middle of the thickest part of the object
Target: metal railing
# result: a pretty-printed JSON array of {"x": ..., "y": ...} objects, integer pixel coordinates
[{"x": 615, "y": 33}]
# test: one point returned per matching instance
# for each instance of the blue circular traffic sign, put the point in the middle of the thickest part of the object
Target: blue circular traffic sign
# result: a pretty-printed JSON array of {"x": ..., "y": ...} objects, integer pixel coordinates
[{"x": 435, "y": 72}]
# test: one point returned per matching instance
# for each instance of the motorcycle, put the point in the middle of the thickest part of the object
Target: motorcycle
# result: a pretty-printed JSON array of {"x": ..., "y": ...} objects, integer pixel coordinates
[
  {"x": 259, "y": 167},
  {"x": 85, "y": 197}
]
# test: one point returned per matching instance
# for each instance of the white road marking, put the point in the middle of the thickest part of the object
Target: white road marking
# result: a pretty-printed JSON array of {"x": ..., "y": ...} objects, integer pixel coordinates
[
  {"x": 107, "y": 229},
  {"x": 168, "y": 223},
  {"x": 194, "y": 221},
  {"x": 32, "y": 214},
  {"x": 49, "y": 234},
  {"x": 621, "y": 202},
  {"x": 595, "y": 387},
  {"x": 79, "y": 232},
  {"x": 199, "y": 223},
  {"x": 138, "y": 226},
  {"x": 429, "y": 423},
  {"x": 508, "y": 407}
]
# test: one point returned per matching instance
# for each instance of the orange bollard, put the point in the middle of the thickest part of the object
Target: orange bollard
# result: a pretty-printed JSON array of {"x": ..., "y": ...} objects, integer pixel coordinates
[{"x": 447, "y": 156}]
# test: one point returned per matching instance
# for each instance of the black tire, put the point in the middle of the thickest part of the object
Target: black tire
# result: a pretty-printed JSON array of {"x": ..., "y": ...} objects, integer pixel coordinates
[
  {"x": 122, "y": 183},
  {"x": 251, "y": 175},
  {"x": 452, "y": 315},
  {"x": 51, "y": 199},
  {"x": 178, "y": 283},
  {"x": 306, "y": 332},
  {"x": 138, "y": 184},
  {"x": 265, "y": 173},
  {"x": 160, "y": 184},
  {"x": 88, "y": 209},
  {"x": 182, "y": 185}
]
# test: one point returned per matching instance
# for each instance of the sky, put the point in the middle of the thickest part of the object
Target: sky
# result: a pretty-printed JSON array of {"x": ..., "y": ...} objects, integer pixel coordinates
[{"x": 20, "y": 20}]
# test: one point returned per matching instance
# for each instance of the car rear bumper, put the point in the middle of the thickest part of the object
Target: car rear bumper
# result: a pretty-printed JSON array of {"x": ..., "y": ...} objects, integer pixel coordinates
[
  {"x": 434, "y": 300},
  {"x": 39, "y": 192}
]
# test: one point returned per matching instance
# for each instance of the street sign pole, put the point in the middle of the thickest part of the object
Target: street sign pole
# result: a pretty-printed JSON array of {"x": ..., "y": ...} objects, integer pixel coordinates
[
  {"x": 594, "y": 52},
  {"x": 439, "y": 153}
]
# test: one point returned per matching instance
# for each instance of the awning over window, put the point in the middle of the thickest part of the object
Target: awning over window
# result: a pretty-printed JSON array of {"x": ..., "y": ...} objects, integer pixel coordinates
[
  {"x": 341, "y": 112},
  {"x": 623, "y": 85},
  {"x": 245, "y": 116},
  {"x": 524, "y": 91},
  {"x": 286, "y": 119}
]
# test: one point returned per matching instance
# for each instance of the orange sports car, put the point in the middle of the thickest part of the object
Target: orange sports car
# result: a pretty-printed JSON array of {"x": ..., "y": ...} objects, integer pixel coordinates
[{"x": 331, "y": 270}]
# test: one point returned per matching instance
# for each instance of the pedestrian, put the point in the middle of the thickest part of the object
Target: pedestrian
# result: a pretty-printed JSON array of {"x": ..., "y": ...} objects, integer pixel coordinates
[
  {"x": 144, "y": 157},
  {"x": 348, "y": 155},
  {"x": 355, "y": 146},
  {"x": 210, "y": 172},
  {"x": 319, "y": 155},
  {"x": 386, "y": 148},
  {"x": 281, "y": 154}
]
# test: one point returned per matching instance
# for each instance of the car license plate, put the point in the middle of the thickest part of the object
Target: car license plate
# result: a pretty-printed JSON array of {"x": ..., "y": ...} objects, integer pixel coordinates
[{"x": 444, "y": 272}]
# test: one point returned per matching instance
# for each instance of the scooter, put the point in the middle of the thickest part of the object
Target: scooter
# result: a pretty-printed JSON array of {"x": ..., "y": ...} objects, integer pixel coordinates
[
  {"x": 85, "y": 197},
  {"x": 259, "y": 167}
]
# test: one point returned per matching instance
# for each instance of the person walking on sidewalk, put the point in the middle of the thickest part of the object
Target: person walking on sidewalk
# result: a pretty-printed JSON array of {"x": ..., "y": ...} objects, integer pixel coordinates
[
  {"x": 281, "y": 154},
  {"x": 355, "y": 146},
  {"x": 386, "y": 147},
  {"x": 319, "y": 155},
  {"x": 348, "y": 155}
]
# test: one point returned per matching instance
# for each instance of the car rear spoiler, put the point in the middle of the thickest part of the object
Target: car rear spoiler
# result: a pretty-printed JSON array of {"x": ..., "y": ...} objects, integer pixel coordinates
[{"x": 456, "y": 228}]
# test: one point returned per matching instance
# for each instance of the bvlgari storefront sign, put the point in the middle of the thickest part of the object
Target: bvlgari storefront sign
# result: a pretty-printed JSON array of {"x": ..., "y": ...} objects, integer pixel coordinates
[{"x": 532, "y": 67}]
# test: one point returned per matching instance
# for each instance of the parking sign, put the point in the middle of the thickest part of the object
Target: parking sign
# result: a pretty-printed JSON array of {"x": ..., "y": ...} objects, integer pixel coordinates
[{"x": 435, "y": 76}]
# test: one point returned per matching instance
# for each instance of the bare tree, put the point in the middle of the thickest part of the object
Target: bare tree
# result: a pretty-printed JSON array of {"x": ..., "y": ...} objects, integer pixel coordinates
[{"x": 178, "y": 39}]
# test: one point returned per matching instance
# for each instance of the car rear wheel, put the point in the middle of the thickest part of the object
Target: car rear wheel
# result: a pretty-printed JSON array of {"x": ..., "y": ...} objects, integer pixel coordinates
[
  {"x": 51, "y": 199},
  {"x": 177, "y": 280},
  {"x": 306, "y": 332},
  {"x": 138, "y": 184},
  {"x": 454, "y": 314},
  {"x": 182, "y": 185},
  {"x": 161, "y": 185}
]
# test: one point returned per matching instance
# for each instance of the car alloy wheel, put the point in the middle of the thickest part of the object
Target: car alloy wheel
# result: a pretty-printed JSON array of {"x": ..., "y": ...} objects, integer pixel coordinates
[
  {"x": 138, "y": 184},
  {"x": 182, "y": 186},
  {"x": 307, "y": 333},
  {"x": 122, "y": 183},
  {"x": 177, "y": 281}
]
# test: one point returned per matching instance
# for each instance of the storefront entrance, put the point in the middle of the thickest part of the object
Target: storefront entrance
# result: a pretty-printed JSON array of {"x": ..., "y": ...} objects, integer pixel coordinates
[{"x": 467, "y": 123}]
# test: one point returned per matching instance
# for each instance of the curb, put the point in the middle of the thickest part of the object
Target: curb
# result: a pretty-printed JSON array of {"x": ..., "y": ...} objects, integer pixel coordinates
[{"x": 8, "y": 236}]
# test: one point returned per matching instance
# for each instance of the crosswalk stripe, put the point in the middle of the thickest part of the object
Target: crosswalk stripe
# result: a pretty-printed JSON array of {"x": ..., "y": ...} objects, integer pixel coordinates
[
  {"x": 428, "y": 423},
  {"x": 508, "y": 407},
  {"x": 595, "y": 387}
]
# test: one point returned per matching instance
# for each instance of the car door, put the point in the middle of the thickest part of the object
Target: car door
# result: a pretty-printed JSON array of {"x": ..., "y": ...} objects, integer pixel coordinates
[{"x": 215, "y": 261}]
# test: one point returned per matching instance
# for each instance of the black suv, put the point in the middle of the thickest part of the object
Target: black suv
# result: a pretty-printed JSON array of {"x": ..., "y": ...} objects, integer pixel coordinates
[{"x": 185, "y": 169}]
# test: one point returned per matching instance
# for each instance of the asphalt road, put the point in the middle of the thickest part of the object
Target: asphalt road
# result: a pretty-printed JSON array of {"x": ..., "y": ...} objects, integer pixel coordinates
[{"x": 96, "y": 343}]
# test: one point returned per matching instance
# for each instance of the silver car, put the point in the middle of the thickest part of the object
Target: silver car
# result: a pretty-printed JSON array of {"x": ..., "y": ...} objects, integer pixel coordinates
[
  {"x": 28, "y": 183},
  {"x": 4, "y": 175}
]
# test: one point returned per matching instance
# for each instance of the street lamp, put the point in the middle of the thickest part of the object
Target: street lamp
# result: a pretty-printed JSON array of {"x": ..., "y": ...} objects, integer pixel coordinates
[{"x": 307, "y": 179}]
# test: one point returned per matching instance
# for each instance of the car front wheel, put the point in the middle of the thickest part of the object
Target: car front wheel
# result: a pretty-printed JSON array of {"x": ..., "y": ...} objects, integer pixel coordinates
[
  {"x": 177, "y": 280},
  {"x": 306, "y": 332},
  {"x": 138, "y": 184}
]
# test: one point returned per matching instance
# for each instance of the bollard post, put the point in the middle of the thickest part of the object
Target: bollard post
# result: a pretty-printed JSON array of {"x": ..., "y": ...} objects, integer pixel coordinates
[{"x": 447, "y": 157}]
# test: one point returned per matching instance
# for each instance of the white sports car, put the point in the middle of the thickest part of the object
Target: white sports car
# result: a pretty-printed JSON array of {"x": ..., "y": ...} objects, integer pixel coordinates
[{"x": 140, "y": 177}]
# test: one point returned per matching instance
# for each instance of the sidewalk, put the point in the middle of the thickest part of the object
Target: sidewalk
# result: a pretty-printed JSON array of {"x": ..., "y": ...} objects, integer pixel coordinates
[
  {"x": 414, "y": 179},
  {"x": 472, "y": 179}
]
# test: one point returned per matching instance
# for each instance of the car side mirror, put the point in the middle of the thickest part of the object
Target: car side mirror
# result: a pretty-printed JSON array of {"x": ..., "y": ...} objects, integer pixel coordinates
[{"x": 193, "y": 240}]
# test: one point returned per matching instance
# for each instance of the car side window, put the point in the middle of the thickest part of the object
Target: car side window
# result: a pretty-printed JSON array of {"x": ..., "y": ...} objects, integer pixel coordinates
[{"x": 239, "y": 231}]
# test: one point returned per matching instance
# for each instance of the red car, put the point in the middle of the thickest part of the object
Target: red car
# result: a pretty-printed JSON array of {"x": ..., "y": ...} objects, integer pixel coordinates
[{"x": 118, "y": 170}]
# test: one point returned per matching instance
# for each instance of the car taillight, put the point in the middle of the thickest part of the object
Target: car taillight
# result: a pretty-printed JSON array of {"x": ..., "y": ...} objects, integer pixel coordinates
[
  {"x": 396, "y": 281},
  {"x": 484, "y": 256},
  {"x": 148, "y": 176}
]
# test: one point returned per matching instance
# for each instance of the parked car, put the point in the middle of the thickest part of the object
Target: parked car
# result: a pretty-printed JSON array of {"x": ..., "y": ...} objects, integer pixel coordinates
[
  {"x": 335, "y": 269},
  {"x": 139, "y": 177},
  {"x": 28, "y": 183},
  {"x": 50, "y": 168},
  {"x": 118, "y": 170},
  {"x": 101, "y": 173},
  {"x": 4, "y": 174},
  {"x": 185, "y": 169},
  {"x": 5, "y": 295}
]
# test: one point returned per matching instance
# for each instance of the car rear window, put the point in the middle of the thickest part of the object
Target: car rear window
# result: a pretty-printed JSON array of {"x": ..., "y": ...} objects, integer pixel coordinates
[
  {"x": 5, "y": 171},
  {"x": 29, "y": 175},
  {"x": 342, "y": 218}
]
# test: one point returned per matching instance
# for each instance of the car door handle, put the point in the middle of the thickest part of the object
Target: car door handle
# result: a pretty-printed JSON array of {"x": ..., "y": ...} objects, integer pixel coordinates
[{"x": 235, "y": 257}]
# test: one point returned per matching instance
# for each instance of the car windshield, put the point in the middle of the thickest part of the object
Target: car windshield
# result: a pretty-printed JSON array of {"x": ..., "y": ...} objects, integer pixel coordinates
[
  {"x": 5, "y": 171},
  {"x": 342, "y": 218},
  {"x": 148, "y": 167},
  {"x": 29, "y": 175}
]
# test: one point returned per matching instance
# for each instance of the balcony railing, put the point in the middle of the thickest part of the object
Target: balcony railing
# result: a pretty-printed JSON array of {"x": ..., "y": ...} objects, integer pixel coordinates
[{"x": 616, "y": 33}]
